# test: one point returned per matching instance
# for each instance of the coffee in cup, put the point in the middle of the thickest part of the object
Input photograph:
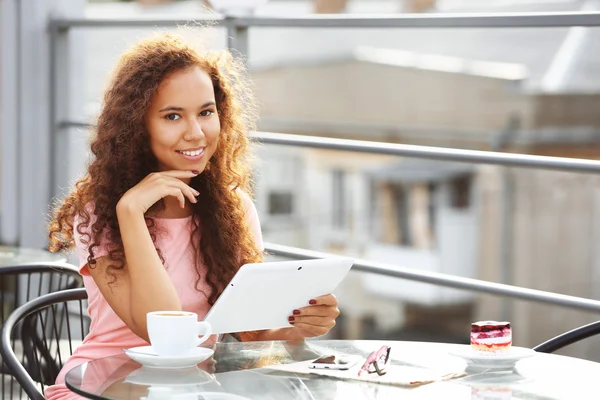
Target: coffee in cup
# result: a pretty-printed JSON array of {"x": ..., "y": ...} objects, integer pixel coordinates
[{"x": 175, "y": 333}]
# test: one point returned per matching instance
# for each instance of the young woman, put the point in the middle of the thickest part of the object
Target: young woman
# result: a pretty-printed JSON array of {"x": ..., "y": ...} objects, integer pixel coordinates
[{"x": 162, "y": 219}]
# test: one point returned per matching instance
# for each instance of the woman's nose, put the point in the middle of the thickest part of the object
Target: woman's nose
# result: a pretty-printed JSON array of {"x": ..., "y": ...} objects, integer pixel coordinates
[{"x": 194, "y": 131}]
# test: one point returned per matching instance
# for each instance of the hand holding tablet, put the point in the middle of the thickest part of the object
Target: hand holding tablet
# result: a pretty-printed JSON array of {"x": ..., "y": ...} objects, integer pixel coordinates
[
  {"x": 264, "y": 296},
  {"x": 317, "y": 318}
]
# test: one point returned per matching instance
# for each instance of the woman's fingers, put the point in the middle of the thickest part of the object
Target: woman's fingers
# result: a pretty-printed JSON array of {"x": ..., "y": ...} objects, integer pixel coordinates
[
  {"x": 158, "y": 185},
  {"x": 313, "y": 330},
  {"x": 317, "y": 318},
  {"x": 320, "y": 306},
  {"x": 176, "y": 192},
  {"x": 319, "y": 311},
  {"x": 187, "y": 190},
  {"x": 326, "y": 300},
  {"x": 173, "y": 178},
  {"x": 312, "y": 320}
]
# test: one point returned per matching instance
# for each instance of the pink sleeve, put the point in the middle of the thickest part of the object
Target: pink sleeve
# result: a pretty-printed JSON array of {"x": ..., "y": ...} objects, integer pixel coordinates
[
  {"x": 81, "y": 248},
  {"x": 253, "y": 221}
]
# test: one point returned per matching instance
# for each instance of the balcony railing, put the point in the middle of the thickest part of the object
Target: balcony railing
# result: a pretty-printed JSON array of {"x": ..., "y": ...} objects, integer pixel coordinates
[
  {"x": 237, "y": 32},
  {"x": 504, "y": 20}
]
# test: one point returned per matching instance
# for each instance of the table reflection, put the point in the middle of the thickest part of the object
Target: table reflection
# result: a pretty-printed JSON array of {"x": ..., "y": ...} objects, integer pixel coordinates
[{"x": 236, "y": 371}]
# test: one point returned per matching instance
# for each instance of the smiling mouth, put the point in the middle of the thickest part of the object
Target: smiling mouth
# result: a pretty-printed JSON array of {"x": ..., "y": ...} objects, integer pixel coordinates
[{"x": 191, "y": 153}]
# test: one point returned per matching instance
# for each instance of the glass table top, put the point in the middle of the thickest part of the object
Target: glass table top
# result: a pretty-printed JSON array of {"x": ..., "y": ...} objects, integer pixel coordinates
[
  {"x": 239, "y": 371},
  {"x": 12, "y": 256}
]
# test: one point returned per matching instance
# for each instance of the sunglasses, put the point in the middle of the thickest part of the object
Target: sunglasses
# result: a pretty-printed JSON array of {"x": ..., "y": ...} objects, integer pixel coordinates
[{"x": 376, "y": 362}]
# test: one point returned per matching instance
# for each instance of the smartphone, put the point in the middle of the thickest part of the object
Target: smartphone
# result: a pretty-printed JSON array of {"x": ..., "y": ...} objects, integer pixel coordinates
[{"x": 334, "y": 362}]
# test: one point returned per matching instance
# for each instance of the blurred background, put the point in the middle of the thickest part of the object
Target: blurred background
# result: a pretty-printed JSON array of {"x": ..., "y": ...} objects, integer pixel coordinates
[{"x": 532, "y": 91}]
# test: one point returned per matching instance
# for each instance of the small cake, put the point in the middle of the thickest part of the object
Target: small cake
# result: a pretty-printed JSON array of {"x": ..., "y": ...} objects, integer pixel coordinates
[{"x": 491, "y": 336}]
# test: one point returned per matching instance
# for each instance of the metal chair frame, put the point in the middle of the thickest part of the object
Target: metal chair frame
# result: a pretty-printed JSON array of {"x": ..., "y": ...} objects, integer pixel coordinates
[
  {"x": 568, "y": 338},
  {"x": 51, "y": 277},
  {"x": 28, "y": 318}
]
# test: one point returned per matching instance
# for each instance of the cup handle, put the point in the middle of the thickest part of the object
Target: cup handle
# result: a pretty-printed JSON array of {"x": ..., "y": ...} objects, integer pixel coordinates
[{"x": 203, "y": 327}]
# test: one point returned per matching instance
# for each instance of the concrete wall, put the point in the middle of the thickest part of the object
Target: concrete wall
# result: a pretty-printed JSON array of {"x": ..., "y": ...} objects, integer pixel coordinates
[{"x": 371, "y": 93}]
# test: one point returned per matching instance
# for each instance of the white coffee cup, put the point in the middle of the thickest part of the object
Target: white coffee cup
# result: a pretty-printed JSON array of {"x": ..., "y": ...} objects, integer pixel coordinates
[{"x": 174, "y": 333}]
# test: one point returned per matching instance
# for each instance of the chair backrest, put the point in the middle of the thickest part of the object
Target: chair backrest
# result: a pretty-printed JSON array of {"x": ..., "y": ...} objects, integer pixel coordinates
[{"x": 20, "y": 284}]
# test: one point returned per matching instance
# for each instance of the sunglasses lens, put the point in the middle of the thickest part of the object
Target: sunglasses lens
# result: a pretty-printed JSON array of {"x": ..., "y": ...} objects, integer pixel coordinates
[{"x": 383, "y": 359}]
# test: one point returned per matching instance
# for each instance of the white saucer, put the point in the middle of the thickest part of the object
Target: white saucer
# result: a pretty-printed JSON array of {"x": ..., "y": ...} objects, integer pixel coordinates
[
  {"x": 161, "y": 393},
  {"x": 502, "y": 360},
  {"x": 150, "y": 359},
  {"x": 220, "y": 396},
  {"x": 178, "y": 377}
]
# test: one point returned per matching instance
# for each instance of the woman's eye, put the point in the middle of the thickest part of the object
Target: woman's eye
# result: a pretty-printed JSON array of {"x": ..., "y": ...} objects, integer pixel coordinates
[
  {"x": 206, "y": 113},
  {"x": 172, "y": 117}
]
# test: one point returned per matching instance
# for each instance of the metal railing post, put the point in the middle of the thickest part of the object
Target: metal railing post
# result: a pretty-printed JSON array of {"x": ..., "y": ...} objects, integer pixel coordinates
[
  {"x": 237, "y": 36},
  {"x": 59, "y": 105},
  {"x": 428, "y": 152},
  {"x": 68, "y": 148},
  {"x": 425, "y": 21},
  {"x": 53, "y": 33},
  {"x": 433, "y": 153},
  {"x": 34, "y": 133},
  {"x": 9, "y": 123},
  {"x": 440, "y": 279}
]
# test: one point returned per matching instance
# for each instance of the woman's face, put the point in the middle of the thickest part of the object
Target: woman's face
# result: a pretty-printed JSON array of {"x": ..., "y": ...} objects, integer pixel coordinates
[{"x": 182, "y": 121}]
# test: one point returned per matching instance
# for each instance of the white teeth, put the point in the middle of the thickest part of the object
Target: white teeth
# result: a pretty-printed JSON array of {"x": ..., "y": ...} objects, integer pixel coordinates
[{"x": 192, "y": 153}]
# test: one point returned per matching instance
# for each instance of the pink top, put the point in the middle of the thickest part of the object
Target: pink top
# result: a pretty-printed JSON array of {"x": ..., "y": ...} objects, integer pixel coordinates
[{"x": 108, "y": 333}]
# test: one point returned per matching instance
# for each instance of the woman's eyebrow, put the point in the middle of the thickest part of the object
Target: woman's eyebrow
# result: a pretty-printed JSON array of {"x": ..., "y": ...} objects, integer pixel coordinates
[
  {"x": 175, "y": 108},
  {"x": 171, "y": 108}
]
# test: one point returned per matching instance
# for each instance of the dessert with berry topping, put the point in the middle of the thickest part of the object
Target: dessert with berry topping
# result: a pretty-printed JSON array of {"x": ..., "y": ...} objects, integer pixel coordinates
[{"x": 491, "y": 336}]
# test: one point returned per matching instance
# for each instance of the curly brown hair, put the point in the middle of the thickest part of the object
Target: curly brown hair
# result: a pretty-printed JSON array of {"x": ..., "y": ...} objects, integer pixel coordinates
[{"x": 122, "y": 158}]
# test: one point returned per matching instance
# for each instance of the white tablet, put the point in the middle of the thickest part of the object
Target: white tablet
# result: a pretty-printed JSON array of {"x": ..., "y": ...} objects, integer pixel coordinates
[{"x": 263, "y": 295}]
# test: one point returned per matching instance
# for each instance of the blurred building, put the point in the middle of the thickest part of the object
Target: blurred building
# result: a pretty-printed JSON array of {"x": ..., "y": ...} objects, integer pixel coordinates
[{"x": 499, "y": 224}]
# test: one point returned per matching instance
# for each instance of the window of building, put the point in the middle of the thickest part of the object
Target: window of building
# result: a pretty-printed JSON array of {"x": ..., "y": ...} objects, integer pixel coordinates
[
  {"x": 278, "y": 187},
  {"x": 405, "y": 214},
  {"x": 403, "y": 210},
  {"x": 460, "y": 192},
  {"x": 281, "y": 203}
]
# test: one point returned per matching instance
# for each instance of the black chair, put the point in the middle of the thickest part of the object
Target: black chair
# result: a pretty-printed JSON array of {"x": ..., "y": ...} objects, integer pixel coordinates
[
  {"x": 22, "y": 283},
  {"x": 50, "y": 327},
  {"x": 567, "y": 338}
]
